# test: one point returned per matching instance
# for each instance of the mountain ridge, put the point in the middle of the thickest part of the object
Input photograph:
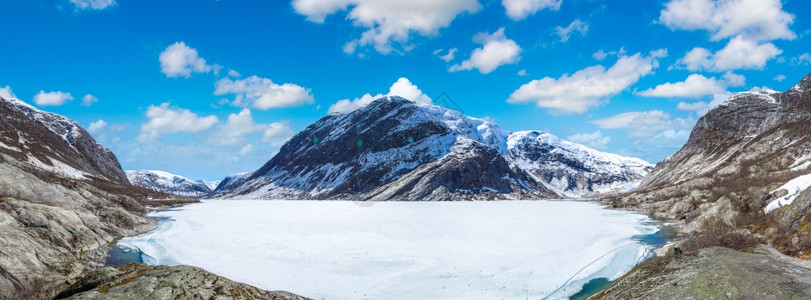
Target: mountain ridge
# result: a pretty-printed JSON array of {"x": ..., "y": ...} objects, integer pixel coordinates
[{"x": 365, "y": 153}]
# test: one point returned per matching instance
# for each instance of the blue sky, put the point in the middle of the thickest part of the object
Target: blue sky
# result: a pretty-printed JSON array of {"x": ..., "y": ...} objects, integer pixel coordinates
[{"x": 207, "y": 88}]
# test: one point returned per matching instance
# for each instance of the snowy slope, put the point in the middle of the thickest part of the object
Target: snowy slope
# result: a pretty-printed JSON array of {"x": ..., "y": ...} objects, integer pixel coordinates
[
  {"x": 169, "y": 183},
  {"x": 53, "y": 143},
  {"x": 397, "y": 149}
]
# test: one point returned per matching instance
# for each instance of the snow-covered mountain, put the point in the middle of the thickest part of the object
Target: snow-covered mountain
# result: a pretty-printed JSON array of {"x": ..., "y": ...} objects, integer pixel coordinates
[
  {"x": 170, "y": 183},
  {"x": 395, "y": 149}
]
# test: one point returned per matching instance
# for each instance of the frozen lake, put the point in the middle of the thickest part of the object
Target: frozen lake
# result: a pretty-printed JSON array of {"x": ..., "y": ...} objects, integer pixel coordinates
[{"x": 402, "y": 250}]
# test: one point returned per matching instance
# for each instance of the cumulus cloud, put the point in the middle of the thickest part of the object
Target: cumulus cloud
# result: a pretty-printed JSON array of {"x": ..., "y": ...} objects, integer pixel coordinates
[
  {"x": 522, "y": 72},
  {"x": 497, "y": 50},
  {"x": 759, "y": 20},
  {"x": 520, "y": 9},
  {"x": 180, "y": 60},
  {"x": 52, "y": 98},
  {"x": 585, "y": 88},
  {"x": 739, "y": 53},
  {"x": 235, "y": 129},
  {"x": 779, "y": 78},
  {"x": 449, "y": 56},
  {"x": 650, "y": 132},
  {"x": 97, "y": 126},
  {"x": 565, "y": 32},
  {"x": 733, "y": 79},
  {"x": 92, "y": 4},
  {"x": 702, "y": 107},
  {"x": 6, "y": 93},
  {"x": 402, "y": 87},
  {"x": 595, "y": 140},
  {"x": 164, "y": 119},
  {"x": 802, "y": 59},
  {"x": 388, "y": 22},
  {"x": 695, "y": 86},
  {"x": 277, "y": 133},
  {"x": 263, "y": 93},
  {"x": 247, "y": 149},
  {"x": 89, "y": 99}
]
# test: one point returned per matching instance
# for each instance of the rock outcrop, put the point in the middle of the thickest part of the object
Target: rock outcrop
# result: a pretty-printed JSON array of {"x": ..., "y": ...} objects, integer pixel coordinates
[
  {"x": 139, "y": 281},
  {"x": 716, "y": 273}
]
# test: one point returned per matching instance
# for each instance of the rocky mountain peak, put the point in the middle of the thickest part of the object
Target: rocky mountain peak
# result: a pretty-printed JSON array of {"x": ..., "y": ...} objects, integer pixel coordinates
[{"x": 394, "y": 148}]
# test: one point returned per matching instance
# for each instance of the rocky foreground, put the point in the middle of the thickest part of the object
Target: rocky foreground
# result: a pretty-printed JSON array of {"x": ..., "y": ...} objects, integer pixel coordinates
[
  {"x": 716, "y": 273},
  {"x": 139, "y": 281}
]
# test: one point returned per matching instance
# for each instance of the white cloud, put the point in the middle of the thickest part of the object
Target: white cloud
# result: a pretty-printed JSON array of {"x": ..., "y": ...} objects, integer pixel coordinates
[
  {"x": 733, "y": 79},
  {"x": 644, "y": 124},
  {"x": 520, "y": 9},
  {"x": 650, "y": 132},
  {"x": 180, "y": 60},
  {"x": 92, "y": 4},
  {"x": 802, "y": 59},
  {"x": 497, "y": 50},
  {"x": 702, "y": 107},
  {"x": 388, "y": 22},
  {"x": 164, "y": 120},
  {"x": 696, "y": 59},
  {"x": 779, "y": 78},
  {"x": 235, "y": 128},
  {"x": 585, "y": 88},
  {"x": 576, "y": 25},
  {"x": 52, "y": 98},
  {"x": 522, "y": 72},
  {"x": 594, "y": 140},
  {"x": 739, "y": 53},
  {"x": 449, "y": 56},
  {"x": 247, "y": 149},
  {"x": 262, "y": 93},
  {"x": 6, "y": 93},
  {"x": 402, "y": 87},
  {"x": 695, "y": 86},
  {"x": 277, "y": 133},
  {"x": 234, "y": 73},
  {"x": 759, "y": 20},
  {"x": 89, "y": 99},
  {"x": 96, "y": 126},
  {"x": 600, "y": 55}
]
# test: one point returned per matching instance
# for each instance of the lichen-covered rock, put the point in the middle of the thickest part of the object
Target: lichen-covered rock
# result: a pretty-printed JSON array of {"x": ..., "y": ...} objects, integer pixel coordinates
[
  {"x": 716, "y": 273},
  {"x": 139, "y": 281}
]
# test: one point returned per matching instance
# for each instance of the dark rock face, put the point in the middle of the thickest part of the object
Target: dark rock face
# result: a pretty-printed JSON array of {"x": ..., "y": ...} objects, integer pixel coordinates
[{"x": 394, "y": 149}]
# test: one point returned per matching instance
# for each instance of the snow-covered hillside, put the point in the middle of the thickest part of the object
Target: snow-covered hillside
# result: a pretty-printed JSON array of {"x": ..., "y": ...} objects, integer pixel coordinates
[
  {"x": 395, "y": 149},
  {"x": 170, "y": 183}
]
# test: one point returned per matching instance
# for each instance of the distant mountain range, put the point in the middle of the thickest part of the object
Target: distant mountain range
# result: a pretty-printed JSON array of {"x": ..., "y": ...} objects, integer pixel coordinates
[
  {"x": 171, "y": 183},
  {"x": 395, "y": 149}
]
